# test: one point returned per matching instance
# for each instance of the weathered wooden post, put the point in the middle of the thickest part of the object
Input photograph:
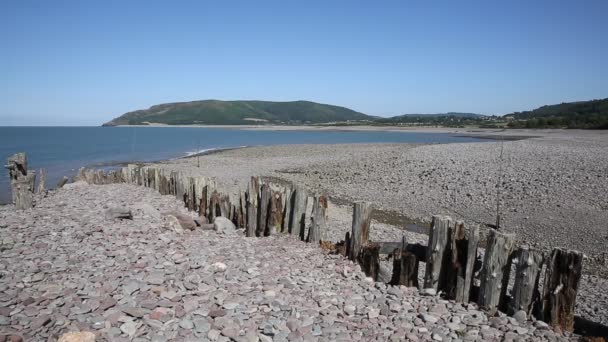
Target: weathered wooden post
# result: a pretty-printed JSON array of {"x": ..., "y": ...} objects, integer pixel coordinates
[
  {"x": 316, "y": 232},
  {"x": 405, "y": 267},
  {"x": 297, "y": 224},
  {"x": 263, "y": 207},
  {"x": 437, "y": 252},
  {"x": 22, "y": 181},
  {"x": 362, "y": 217},
  {"x": 202, "y": 207},
  {"x": 275, "y": 218},
  {"x": 252, "y": 206},
  {"x": 463, "y": 252},
  {"x": 369, "y": 258},
  {"x": 525, "y": 295},
  {"x": 287, "y": 206},
  {"x": 62, "y": 182},
  {"x": 561, "y": 286},
  {"x": 214, "y": 206},
  {"x": 42, "y": 181},
  {"x": 495, "y": 272}
]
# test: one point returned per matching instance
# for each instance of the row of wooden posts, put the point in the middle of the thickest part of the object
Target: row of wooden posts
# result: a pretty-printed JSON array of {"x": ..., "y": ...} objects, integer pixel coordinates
[
  {"x": 454, "y": 266},
  {"x": 23, "y": 181}
]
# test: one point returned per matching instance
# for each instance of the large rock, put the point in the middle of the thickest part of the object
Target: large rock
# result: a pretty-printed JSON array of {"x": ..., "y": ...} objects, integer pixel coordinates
[
  {"x": 77, "y": 336},
  {"x": 185, "y": 221},
  {"x": 224, "y": 225},
  {"x": 171, "y": 222}
]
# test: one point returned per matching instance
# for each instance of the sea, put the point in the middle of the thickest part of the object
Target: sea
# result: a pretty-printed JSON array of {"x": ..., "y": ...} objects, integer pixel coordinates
[{"x": 61, "y": 151}]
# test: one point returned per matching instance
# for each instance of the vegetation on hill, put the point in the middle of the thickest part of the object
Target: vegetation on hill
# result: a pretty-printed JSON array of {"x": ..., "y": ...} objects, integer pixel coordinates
[
  {"x": 214, "y": 112},
  {"x": 584, "y": 114},
  {"x": 451, "y": 119}
]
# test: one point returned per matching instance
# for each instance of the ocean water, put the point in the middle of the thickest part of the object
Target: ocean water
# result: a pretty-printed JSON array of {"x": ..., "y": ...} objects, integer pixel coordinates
[{"x": 62, "y": 150}]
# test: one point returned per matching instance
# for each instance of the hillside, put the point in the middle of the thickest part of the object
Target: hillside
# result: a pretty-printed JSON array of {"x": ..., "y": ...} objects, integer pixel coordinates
[
  {"x": 583, "y": 114},
  {"x": 215, "y": 112},
  {"x": 450, "y": 119}
]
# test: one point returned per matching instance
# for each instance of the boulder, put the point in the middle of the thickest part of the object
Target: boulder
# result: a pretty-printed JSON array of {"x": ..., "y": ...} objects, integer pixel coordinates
[
  {"x": 185, "y": 221},
  {"x": 171, "y": 222},
  {"x": 223, "y": 225},
  {"x": 201, "y": 220},
  {"x": 77, "y": 336}
]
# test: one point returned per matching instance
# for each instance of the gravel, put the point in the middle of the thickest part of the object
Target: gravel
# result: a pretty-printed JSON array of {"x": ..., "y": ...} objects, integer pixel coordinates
[{"x": 67, "y": 267}]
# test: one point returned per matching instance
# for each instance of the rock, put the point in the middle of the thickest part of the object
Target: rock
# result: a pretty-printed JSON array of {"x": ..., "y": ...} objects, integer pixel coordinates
[
  {"x": 520, "y": 316},
  {"x": 429, "y": 318},
  {"x": 75, "y": 185},
  {"x": 428, "y": 292},
  {"x": 77, "y": 336},
  {"x": 223, "y": 225},
  {"x": 373, "y": 313},
  {"x": 185, "y": 221},
  {"x": 349, "y": 309},
  {"x": 118, "y": 213},
  {"x": 201, "y": 220},
  {"x": 129, "y": 328},
  {"x": 219, "y": 267},
  {"x": 186, "y": 324},
  {"x": 171, "y": 223}
]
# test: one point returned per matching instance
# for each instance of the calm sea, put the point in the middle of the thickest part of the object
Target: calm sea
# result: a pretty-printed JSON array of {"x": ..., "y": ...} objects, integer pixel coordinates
[{"x": 62, "y": 150}]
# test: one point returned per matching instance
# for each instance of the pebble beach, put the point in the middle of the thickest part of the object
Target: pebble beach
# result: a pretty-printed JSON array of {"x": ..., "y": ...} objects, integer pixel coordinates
[{"x": 67, "y": 266}]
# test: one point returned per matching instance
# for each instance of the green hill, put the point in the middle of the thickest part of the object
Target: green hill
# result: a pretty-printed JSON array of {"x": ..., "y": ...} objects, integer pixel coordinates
[
  {"x": 215, "y": 112},
  {"x": 583, "y": 114}
]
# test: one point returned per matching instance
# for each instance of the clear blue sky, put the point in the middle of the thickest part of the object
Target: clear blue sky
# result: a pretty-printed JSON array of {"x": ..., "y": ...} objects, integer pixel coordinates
[{"x": 85, "y": 62}]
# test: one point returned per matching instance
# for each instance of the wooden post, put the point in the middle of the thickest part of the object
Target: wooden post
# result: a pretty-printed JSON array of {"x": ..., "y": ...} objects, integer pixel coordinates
[
  {"x": 275, "y": 218},
  {"x": 369, "y": 259},
  {"x": 225, "y": 206},
  {"x": 22, "y": 181},
  {"x": 316, "y": 232},
  {"x": 362, "y": 217},
  {"x": 298, "y": 218},
  {"x": 263, "y": 207},
  {"x": 287, "y": 206},
  {"x": 62, "y": 182},
  {"x": 42, "y": 181},
  {"x": 495, "y": 271},
  {"x": 436, "y": 252},
  {"x": 214, "y": 206},
  {"x": 202, "y": 208},
  {"x": 469, "y": 271},
  {"x": 525, "y": 295},
  {"x": 252, "y": 206},
  {"x": 405, "y": 267},
  {"x": 459, "y": 273},
  {"x": 561, "y": 285}
]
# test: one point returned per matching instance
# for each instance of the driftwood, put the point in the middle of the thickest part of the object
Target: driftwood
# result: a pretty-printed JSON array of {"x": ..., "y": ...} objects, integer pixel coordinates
[
  {"x": 525, "y": 294},
  {"x": 318, "y": 219},
  {"x": 362, "y": 216},
  {"x": 252, "y": 206},
  {"x": 495, "y": 273},
  {"x": 297, "y": 223},
  {"x": 561, "y": 286},
  {"x": 436, "y": 254}
]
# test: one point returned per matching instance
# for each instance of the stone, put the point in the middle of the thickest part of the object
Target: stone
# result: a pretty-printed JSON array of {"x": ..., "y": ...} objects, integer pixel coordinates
[
  {"x": 223, "y": 225},
  {"x": 520, "y": 316},
  {"x": 219, "y": 267},
  {"x": 77, "y": 336},
  {"x": 118, "y": 213}
]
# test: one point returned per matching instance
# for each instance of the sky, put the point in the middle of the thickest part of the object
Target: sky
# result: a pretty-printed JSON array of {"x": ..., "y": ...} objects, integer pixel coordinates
[{"x": 86, "y": 62}]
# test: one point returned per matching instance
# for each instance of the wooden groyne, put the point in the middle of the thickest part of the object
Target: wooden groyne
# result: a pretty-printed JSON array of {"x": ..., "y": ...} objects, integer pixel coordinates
[{"x": 545, "y": 285}]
